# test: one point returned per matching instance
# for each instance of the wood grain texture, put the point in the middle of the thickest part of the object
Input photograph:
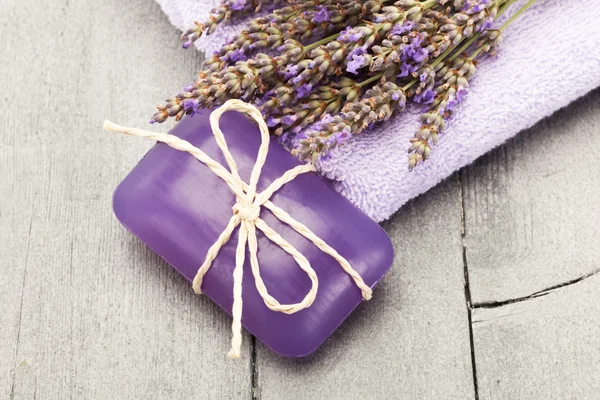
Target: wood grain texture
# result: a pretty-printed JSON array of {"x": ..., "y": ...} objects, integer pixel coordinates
[
  {"x": 542, "y": 348},
  {"x": 531, "y": 207},
  {"x": 411, "y": 341},
  {"x": 87, "y": 311}
]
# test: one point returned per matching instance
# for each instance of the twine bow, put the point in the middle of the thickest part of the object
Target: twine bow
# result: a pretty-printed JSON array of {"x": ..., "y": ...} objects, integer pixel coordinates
[{"x": 246, "y": 213}]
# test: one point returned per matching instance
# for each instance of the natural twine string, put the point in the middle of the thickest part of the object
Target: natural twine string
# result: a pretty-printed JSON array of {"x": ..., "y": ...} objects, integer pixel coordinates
[{"x": 246, "y": 213}]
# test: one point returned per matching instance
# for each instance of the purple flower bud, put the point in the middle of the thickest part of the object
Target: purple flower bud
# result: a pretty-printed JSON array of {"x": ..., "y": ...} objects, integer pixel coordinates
[
  {"x": 289, "y": 119},
  {"x": 358, "y": 61},
  {"x": 406, "y": 70},
  {"x": 357, "y": 51},
  {"x": 303, "y": 90},
  {"x": 420, "y": 55},
  {"x": 461, "y": 94},
  {"x": 238, "y": 5},
  {"x": 237, "y": 55},
  {"x": 188, "y": 105},
  {"x": 400, "y": 29},
  {"x": 322, "y": 14},
  {"x": 350, "y": 35},
  {"x": 425, "y": 97},
  {"x": 452, "y": 104},
  {"x": 291, "y": 72}
]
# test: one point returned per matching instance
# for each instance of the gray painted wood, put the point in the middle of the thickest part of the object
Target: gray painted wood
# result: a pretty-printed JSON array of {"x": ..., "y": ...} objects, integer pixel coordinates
[
  {"x": 411, "y": 341},
  {"x": 531, "y": 207},
  {"x": 542, "y": 348},
  {"x": 87, "y": 311}
]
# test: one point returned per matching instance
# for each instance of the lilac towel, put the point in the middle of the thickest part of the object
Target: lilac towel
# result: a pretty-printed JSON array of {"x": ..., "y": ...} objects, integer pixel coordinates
[{"x": 549, "y": 57}]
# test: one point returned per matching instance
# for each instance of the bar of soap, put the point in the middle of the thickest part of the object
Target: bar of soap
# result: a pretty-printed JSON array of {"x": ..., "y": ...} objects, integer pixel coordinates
[{"x": 178, "y": 207}]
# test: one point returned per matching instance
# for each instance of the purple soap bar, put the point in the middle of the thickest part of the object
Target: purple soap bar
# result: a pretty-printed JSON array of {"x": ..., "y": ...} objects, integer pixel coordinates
[{"x": 178, "y": 207}]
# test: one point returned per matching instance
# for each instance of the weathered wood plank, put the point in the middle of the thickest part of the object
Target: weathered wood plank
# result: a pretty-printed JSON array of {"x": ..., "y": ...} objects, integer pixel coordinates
[
  {"x": 542, "y": 348},
  {"x": 89, "y": 312},
  {"x": 412, "y": 339},
  {"x": 531, "y": 220}
]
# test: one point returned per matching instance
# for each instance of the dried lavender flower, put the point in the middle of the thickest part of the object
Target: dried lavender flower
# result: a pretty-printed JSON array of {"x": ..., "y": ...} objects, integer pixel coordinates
[{"x": 324, "y": 70}]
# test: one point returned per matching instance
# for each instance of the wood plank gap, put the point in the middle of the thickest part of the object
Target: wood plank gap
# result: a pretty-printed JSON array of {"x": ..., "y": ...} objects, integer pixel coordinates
[
  {"x": 14, "y": 377},
  {"x": 541, "y": 293},
  {"x": 254, "y": 389},
  {"x": 467, "y": 286}
]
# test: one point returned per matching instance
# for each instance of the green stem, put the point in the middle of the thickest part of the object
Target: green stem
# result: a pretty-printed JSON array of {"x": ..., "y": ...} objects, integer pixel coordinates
[
  {"x": 442, "y": 56},
  {"x": 320, "y": 42},
  {"x": 468, "y": 43},
  {"x": 517, "y": 14},
  {"x": 476, "y": 53},
  {"x": 408, "y": 85},
  {"x": 506, "y": 24},
  {"x": 370, "y": 80},
  {"x": 504, "y": 7}
]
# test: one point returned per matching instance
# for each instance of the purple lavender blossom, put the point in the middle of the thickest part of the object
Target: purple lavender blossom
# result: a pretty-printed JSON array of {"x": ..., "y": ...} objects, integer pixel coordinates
[
  {"x": 357, "y": 60},
  {"x": 451, "y": 105},
  {"x": 475, "y": 6},
  {"x": 322, "y": 14},
  {"x": 419, "y": 55},
  {"x": 319, "y": 125},
  {"x": 400, "y": 29},
  {"x": 350, "y": 35},
  {"x": 461, "y": 94},
  {"x": 291, "y": 72},
  {"x": 425, "y": 97},
  {"x": 488, "y": 24},
  {"x": 237, "y": 55},
  {"x": 303, "y": 90},
  {"x": 238, "y": 5},
  {"x": 188, "y": 105},
  {"x": 414, "y": 51},
  {"x": 361, "y": 76},
  {"x": 289, "y": 120},
  {"x": 406, "y": 70}
]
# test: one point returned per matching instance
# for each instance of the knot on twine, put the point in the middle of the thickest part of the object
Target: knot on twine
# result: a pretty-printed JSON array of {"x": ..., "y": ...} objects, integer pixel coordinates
[{"x": 246, "y": 214}]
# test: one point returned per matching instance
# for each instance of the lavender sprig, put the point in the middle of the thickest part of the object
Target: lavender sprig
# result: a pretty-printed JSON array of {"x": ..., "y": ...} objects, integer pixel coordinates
[
  {"x": 324, "y": 70},
  {"x": 451, "y": 88}
]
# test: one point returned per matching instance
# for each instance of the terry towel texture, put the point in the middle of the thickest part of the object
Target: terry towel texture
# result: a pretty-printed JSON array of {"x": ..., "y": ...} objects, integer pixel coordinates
[{"x": 549, "y": 57}]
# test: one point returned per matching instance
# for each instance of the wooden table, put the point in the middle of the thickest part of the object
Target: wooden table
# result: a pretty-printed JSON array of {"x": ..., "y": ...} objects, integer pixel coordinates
[{"x": 494, "y": 293}]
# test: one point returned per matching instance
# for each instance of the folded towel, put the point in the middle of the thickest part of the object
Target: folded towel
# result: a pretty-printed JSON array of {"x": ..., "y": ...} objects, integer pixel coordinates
[{"x": 549, "y": 57}]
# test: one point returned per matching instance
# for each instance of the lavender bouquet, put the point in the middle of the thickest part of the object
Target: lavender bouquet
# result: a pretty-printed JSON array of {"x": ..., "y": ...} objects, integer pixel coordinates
[{"x": 324, "y": 70}]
